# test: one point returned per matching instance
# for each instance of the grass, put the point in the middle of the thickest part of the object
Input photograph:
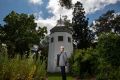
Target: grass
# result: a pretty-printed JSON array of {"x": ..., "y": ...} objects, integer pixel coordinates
[{"x": 57, "y": 76}]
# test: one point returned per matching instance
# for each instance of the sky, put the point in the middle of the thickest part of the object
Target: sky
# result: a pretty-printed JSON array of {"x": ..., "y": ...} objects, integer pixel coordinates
[{"x": 47, "y": 12}]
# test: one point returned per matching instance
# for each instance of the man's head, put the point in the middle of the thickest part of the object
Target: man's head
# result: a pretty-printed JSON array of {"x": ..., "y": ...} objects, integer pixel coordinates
[{"x": 61, "y": 48}]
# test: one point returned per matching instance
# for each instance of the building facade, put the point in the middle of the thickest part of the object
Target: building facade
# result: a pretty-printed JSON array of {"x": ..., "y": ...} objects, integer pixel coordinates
[{"x": 59, "y": 36}]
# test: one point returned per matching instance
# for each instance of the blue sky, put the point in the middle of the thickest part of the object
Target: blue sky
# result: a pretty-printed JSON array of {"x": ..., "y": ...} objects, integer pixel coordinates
[
  {"x": 98, "y": 13},
  {"x": 47, "y": 11}
]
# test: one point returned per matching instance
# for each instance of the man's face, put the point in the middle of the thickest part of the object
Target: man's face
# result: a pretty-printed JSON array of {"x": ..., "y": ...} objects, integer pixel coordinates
[{"x": 61, "y": 49}]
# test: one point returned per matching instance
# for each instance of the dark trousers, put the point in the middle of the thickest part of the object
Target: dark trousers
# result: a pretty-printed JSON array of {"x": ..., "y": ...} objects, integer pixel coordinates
[{"x": 63, "y": 73}]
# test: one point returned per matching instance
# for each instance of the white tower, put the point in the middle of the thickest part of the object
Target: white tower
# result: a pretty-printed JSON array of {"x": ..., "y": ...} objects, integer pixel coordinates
[{"x": 60, "y": 36}]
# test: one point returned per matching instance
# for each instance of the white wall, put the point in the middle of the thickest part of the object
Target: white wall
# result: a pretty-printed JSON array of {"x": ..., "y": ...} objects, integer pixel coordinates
[{"x": 54, "y": 48}]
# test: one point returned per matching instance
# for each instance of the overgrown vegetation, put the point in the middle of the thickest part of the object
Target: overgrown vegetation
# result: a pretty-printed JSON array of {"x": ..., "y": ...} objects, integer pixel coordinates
[
  {"x": 108, "y": 50},
  {"x": 83, "y": 63},
  {"x": 102, "y": 62},
  {"x": 21, "y": 69}
]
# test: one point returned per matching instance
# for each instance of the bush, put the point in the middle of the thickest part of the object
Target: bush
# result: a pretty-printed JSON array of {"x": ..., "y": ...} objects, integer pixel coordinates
[
  {"x": 106, "y": 71},
  {"x": 74, "y": 62},
  {"x": 103, "y": 62},
  {"x": 83, "y": 62},
  {"x": 21, "y": 69},
  {"x": 108, "y": 50}
]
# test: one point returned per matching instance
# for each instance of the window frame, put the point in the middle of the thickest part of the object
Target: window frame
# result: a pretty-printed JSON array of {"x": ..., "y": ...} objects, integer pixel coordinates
[
  {"x": 52, "y": 39},
  {"x": 60, "y": 38},
  {"x": 69, "y": 39}
]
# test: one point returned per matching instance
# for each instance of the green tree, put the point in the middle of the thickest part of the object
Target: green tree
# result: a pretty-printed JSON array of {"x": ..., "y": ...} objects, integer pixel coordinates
[
  {"x": 66, "y": 3},
  {"x": 102, "y": 62},
  {"x": 108, "y": 50},
  {"x": 67, "y": 22},
  {"x": 21, "y": 32},
  {"x": 107, "y": 22},
  {"x": 1, "y": 35},
  {"x": 81, "y": 33},
  {"x": 115, "y": 22}
]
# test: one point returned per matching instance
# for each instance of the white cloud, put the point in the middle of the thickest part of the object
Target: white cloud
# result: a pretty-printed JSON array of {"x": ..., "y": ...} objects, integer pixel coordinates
[
  {"x": 56, "y": 10},
  {"x": 90, "y": 6},
  {"x": 49, "y": 23},
  {"x": 36, "y": 1},
  {"x": 38, "y": 15}
]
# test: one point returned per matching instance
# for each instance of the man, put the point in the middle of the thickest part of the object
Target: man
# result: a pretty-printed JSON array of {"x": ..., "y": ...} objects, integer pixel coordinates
[{"x": 62, "y": 61}]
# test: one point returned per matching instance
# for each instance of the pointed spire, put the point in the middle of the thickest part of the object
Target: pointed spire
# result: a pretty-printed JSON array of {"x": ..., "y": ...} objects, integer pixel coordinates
[
  {"x": 60, "y": 16},
  {"x": 60, "y": 19},
  {"x": 60, "y": 22}
]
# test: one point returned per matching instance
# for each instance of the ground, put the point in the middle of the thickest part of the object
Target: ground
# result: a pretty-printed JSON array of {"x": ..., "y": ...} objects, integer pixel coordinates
[{"x": 57, "y": 76}]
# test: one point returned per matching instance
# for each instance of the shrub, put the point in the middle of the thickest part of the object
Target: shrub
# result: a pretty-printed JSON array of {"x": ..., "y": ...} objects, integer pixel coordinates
[
  {"x": 74, "y": 62},
  {"x": 108, "y": 50},
  {"x": 21, "y": 69},
  {"x": 83, "y": 62},
  {"x": 103, "y": 62}
]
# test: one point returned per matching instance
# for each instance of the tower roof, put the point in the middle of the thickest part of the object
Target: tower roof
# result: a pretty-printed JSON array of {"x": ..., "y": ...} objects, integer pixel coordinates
[{"x": 60, "y": 27}]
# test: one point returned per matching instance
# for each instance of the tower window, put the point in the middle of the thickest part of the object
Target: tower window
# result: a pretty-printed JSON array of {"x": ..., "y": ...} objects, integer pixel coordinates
[
  {"x": 60, "y": 38},
  {"x": 69, "y": 39},
  {"x": 52, "y": 39}
]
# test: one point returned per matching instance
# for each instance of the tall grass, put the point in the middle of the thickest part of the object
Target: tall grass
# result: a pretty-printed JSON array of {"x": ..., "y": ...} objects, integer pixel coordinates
[{"x": 21, "y": 69}]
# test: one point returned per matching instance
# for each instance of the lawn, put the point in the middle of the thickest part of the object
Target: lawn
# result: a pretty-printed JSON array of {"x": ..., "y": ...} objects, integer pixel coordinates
[{"x": 57, "y": 76}]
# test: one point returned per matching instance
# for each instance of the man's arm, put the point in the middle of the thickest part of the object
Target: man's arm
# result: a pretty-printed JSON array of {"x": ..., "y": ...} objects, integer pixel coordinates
[
  {"x": 65, "y": 58},
  {"x": 55, "y": 59}
]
